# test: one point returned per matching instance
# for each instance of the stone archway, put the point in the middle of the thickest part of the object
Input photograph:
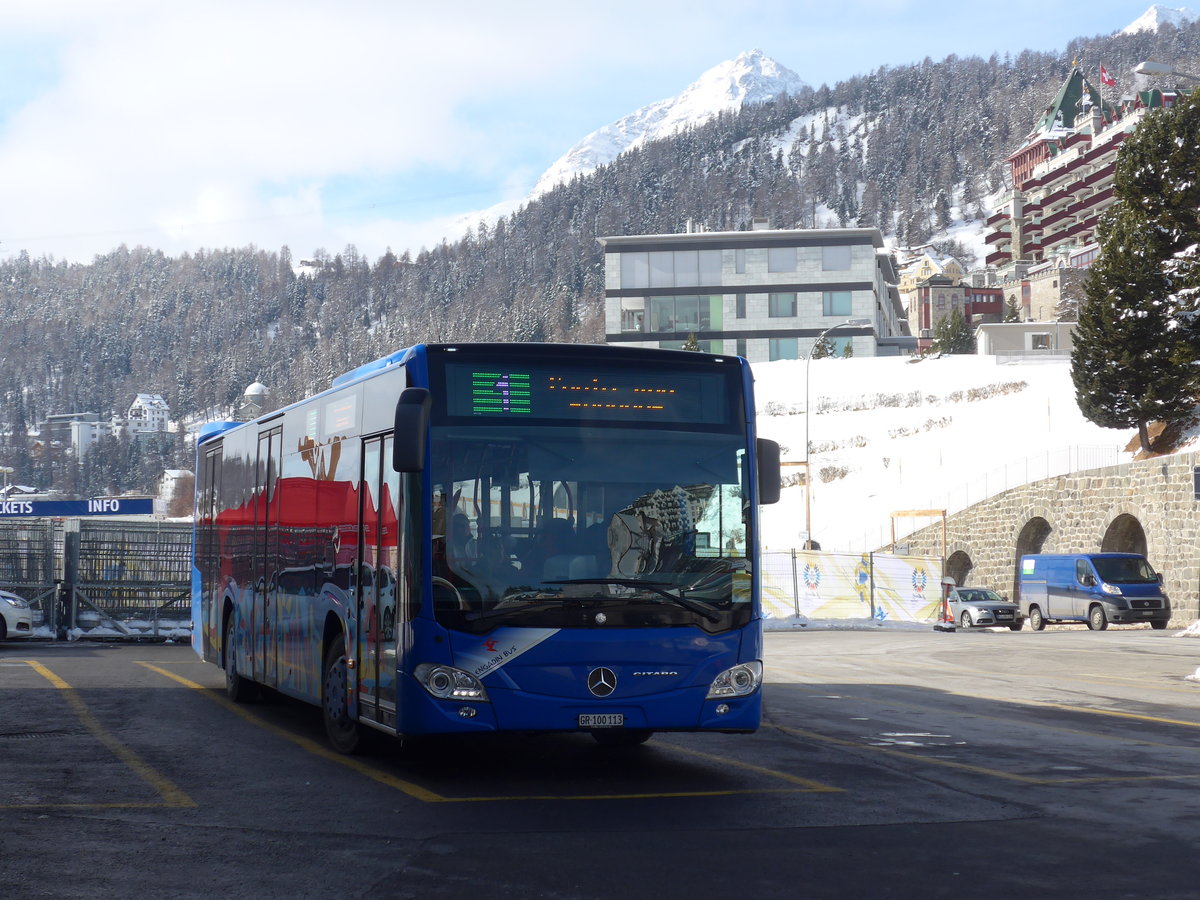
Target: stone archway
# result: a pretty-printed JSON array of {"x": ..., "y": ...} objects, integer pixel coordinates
[
  {"x": 1031, "y": 540},
  {"x": 959, "y": 566},
  {"x": 1124, "y": 535}
]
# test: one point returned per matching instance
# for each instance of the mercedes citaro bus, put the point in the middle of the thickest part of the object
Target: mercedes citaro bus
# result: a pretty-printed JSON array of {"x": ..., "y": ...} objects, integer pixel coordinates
[{"x": 470, "y": 538}]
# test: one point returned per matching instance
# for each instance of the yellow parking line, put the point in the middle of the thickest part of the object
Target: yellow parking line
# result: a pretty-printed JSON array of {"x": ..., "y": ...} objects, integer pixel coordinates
[
  {"x": 427, "y": 796},
  {"x": 171, "y": 795}
]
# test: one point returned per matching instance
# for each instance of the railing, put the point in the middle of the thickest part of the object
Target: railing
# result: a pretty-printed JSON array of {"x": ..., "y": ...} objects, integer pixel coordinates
[{"x": 1038, "y": 467}]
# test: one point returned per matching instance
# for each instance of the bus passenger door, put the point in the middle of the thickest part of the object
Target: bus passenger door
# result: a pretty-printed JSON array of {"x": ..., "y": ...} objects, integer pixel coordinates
[
  {"x": 390, "y": 584},
  {"x": 266, "y": 556},
  {"x": 377, "y": 583}
]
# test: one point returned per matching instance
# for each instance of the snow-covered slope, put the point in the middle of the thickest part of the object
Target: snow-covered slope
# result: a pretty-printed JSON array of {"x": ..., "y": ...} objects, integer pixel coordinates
[
  {"x": 751, "y": 78},
  {"x": 1157, "y": 15},
  {"x": 894, "y": 433}
]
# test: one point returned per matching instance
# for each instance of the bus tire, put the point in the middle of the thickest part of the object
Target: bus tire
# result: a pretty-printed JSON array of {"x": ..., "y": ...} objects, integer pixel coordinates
[
  {"x": 1036, "y": 622},
  {"x": 238, "y": 688},
  {"x": 620, "y": 737},
  {"x": 343, "y": 732}
]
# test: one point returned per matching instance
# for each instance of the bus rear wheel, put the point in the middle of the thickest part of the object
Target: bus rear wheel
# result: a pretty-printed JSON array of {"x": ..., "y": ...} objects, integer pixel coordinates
[{"x": 343, "y": 732}]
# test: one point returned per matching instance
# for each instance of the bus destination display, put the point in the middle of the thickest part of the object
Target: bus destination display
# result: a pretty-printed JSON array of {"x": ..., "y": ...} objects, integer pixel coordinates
[{"x": 577, "y": 393}]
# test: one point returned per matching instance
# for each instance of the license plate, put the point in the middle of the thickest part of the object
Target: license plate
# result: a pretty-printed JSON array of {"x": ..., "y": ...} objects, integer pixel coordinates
[
  {"x": 1147, "y": 612},
  {"x": 601, "y": 720}
]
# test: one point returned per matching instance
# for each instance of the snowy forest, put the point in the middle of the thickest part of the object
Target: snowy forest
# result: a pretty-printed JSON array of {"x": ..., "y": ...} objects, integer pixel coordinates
[{"x": 902, "y": 148}]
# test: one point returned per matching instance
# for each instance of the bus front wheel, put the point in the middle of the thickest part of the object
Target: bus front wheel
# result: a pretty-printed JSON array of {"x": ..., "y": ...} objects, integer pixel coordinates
[{"x": 343, "y": 732}]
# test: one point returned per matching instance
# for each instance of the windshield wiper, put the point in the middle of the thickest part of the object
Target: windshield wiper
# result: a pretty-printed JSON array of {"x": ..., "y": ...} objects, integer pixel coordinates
[
  {"x": 529, "y": 601},
  {"x": 699, "y": 607}
]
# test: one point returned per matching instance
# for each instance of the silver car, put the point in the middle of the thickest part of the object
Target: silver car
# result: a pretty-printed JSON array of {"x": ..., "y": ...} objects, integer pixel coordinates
[
  {"x": 16, "y": 616},
  {"x": 980, "y": 607}
]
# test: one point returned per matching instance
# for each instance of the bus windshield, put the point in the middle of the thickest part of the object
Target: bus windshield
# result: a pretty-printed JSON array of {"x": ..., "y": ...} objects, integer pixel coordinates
[{"x": 579, "y": 526}]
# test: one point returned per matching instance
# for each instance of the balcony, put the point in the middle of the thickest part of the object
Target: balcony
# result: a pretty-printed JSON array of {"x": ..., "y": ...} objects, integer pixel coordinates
[
  {"x": 995, "y": 259},
  {"x": 998, "y": 236}
]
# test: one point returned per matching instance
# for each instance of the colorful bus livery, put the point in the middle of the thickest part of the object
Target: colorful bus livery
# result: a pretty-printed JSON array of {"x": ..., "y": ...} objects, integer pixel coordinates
[{"x": 494, "y": 537}]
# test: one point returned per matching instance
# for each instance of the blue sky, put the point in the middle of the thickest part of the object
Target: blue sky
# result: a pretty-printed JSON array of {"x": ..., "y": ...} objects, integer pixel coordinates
[{"x": 388, "y": 124}]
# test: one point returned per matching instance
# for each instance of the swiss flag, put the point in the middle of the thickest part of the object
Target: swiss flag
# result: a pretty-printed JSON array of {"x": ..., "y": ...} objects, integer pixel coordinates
[{"x": 1105, "y": 78}]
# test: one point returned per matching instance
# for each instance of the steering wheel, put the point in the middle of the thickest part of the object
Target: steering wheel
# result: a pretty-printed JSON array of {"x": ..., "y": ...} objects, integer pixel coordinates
[{"x": 458, "y": 597}]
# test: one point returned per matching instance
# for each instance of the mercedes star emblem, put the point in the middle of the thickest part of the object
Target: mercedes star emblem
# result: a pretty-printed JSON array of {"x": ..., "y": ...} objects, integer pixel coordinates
[{"x": 602, "y": 681}]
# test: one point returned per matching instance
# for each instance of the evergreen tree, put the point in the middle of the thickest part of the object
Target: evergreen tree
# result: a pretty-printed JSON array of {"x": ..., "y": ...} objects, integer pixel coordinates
[
  {"x": 953, "y": 334},
  {"x": 1138, "y": 340},
  {"x": 822, "y": 349},
  {"x": 1012, "y": 309},
  {"x": 692, "y": 343},
  {"x": 1129, "y": 361}
]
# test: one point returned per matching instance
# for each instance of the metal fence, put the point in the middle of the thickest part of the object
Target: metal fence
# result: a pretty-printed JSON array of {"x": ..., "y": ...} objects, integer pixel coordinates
[{"x": 100, "y": 578}]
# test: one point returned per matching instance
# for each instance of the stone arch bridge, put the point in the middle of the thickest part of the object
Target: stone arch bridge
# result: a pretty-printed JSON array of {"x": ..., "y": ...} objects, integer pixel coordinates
[{"x": 1149, "y": 506}]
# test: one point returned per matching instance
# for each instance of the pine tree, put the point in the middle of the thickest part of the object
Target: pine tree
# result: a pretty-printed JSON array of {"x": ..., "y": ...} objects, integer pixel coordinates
[
  {"x": 1128, "y": 361},
  {"x": 953, "y": 334},
  {"x": 822, "y": 349},
  {"x": 1136, "y": 346}
]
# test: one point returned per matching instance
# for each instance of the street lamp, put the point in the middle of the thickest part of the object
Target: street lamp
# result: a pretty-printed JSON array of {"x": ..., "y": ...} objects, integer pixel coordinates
[
  {"x": 1149, "y": 67},
  {"x": 849, "y": 323}
]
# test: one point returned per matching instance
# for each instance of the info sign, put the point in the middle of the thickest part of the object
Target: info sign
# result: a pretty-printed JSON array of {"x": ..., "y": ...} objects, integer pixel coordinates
[{"x": 69, "y": 509}]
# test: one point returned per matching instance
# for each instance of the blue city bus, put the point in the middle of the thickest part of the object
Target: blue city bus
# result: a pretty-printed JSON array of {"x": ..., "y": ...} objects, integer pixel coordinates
[{"x": 470, "y": 538}]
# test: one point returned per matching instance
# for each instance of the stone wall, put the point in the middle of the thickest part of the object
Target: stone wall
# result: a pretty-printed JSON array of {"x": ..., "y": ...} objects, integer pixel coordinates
[{"x": 1146, "y": 507}]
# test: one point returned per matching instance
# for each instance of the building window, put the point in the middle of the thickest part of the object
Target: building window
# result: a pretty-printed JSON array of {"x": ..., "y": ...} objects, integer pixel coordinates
[
  {"x": 633, "y": 314},
  {"x": 739, "y": 262},
  {"x": 783, "y": 348},
  {"x": 682, "y": 313},
  {"x": 687, "y": 313},
  {"x": 840, "y": 344},
  {"x": 1039, "y": 342},
  {"x": 739, "y": 308},
  {"x": 710, "y": 267},
  {"x": 781, "y": 259},
  {"x": 687, "y": 268},
  {"x": 662, "y": 313},
  {"x": 635, "y": 270},
  {"x": 781, "y": 306},
  {"x": 662, "y": 269},
  {"x": 836, "y": 303},
  {"x": 835, "y": 258},
  {"x": 741, "y": 347},
  {"x": 941, "y": 301}
]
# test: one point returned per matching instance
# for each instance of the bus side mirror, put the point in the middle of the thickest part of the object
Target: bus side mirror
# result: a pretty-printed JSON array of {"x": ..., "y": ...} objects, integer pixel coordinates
[
  {"x": 412, "y": 430},
  {"x": 768, "y": 471}
]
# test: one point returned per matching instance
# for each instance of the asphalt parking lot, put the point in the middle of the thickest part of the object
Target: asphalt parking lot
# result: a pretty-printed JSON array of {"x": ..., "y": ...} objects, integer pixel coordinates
[{"x": 890, "y": 764}]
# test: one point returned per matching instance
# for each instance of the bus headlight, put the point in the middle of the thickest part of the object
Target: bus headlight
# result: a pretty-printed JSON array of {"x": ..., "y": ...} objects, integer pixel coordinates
[
  {"x": 449, "y": 683},
  {"x": 741, "y": 680}
]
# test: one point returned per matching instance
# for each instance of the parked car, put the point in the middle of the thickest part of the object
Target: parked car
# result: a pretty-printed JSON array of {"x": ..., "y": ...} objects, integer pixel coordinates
[
  {"x": 981, "y": 607},
  {"x": 16, "y": 616}
]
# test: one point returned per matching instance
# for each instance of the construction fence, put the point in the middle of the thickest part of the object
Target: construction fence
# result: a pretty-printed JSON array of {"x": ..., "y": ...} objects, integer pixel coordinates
[
  {"x": 100, "y": 578},
  {"x": 806, "y": 585}
]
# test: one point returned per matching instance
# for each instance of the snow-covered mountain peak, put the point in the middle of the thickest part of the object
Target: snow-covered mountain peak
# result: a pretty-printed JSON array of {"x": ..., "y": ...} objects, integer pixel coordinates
[
  {"x": 750, "y": 78},
  {"x": 1157, "y": 15}
]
